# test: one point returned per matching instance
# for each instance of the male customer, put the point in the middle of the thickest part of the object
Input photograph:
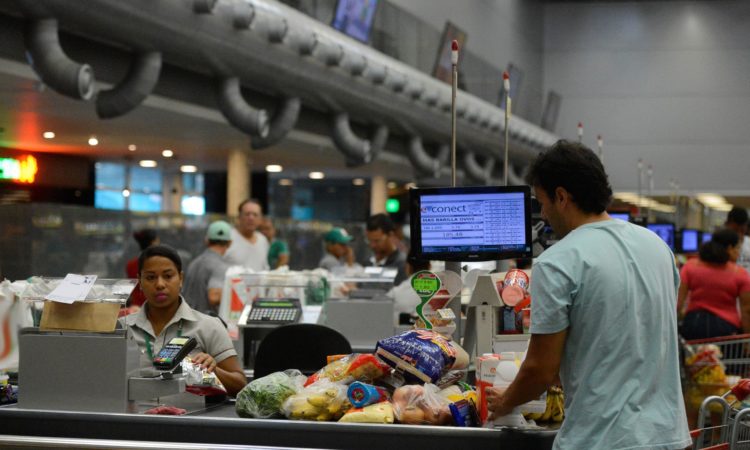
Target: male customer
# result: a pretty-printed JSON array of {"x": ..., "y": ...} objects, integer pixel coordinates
[
  {"x": 381, "y": 235},
  {"x": 603, "y": 317},
  {"x": 204, "y": 278},
  {"x": 737, "y": 221},
  {"x": 339, "y": 254},
  {"x": 249, "y": 247}
]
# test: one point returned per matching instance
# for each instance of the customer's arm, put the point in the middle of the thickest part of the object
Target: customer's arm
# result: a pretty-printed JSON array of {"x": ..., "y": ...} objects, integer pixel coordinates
[
  {"x": 539, "y": 370},
  {"x": 745, "y": 311},
  {"x": 682, "y": 294}
]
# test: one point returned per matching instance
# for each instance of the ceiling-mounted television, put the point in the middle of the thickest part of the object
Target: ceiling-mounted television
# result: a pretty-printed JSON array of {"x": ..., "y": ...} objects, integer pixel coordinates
[
  {"x": 355, "y": 18},
  {"x": 471, "y": 223},
  {"x": 665, "y": 231},
  {"x": 622, "y": 215},
  {"x": 689, "y": 240}
]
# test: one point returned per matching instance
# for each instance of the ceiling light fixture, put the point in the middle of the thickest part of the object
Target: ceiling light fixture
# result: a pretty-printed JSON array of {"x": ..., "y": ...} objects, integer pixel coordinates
[
  {"x": 167, "y": 153},
  {"x": 188, "y": 169},
  {"x": 147, "y": 163},
  {"x": 317, "y": 175},
  {"x": 132, "y": 147},
  {"x": 48, "y": 135},
  {"x": 126, "y": 193},
  {"x": 285, "y": 182},
  {"x": 358, "y": 181},
  {"x": 392, "y": 185},
  {"x": 93, "y": 141},
  {"x": 274, "y": 168}
]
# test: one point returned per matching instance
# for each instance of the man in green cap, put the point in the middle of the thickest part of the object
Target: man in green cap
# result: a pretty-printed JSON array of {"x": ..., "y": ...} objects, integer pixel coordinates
[
  {"x": 204, "y": 278},
  {"x": 339, "y": 253}
]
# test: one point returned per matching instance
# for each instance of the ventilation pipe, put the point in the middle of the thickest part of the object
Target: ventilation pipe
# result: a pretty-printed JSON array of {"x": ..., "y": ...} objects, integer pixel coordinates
[
  {"x": 425, "y": 164},
  {"x": 415, "y": 89},
  {"x": 133, "y": 89},
  {"x": 358, "y": 151},
  {"x": 53, "y": 66},
  {"x": 514, "y": 177},
  {"x": 236, "y": 110},
  {"x": 282, "y": 123},
  {"x": 331, "y": 53},
  {"x": 475, "y": 171},
  {"x": 376, "y": 73},
  {"x": 244, "y": 13},
  {"x": 203, "y": 6},
  {"x": 304, "y": 41}
]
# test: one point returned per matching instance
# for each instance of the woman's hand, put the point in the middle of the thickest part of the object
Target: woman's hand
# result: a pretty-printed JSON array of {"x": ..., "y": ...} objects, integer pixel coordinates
[{"x": 206, "y": 361}]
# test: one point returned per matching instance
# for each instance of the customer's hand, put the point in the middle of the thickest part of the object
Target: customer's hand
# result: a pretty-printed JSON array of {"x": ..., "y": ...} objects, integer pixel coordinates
[
  {"x": 206, "y": 361},
  {"x": 495, "y": 404}
]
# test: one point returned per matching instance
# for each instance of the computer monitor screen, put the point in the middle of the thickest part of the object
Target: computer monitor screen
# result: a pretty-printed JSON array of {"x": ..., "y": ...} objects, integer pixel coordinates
[
  {"x": 690, "y": 241},
  {"x": 625, "y": 216},
  {"x": 355, "y": 17},
  {"x": 665, "y": 231},
  {"x": 471, "y": 223},
  {"x": 706, "y": 236}
]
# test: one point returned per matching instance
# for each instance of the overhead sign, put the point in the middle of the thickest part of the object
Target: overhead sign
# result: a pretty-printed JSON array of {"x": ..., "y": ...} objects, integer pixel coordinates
[{"x": 21, "y": 170}]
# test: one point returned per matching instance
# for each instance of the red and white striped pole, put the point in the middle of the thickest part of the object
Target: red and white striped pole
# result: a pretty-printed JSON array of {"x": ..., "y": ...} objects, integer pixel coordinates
[
  {"x": 580, "y": 132},
  {"x": 506, "y": 87},
  {"x": 600, "y": 144},
  {"x": 454, "y": 89}
]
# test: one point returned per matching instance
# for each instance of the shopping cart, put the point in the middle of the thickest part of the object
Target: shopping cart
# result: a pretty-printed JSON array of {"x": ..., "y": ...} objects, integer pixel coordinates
[{"x": 723, "y": 424}]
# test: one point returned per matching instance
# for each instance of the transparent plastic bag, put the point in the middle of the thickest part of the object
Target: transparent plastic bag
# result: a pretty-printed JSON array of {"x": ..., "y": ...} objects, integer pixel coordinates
[
  {"x": 322, "y": 401},
  {"x": 263, "y": 398},
  {"x": 421, "y": 405},
  {"x": 363, "y": 367},
  {"x": 199, "y": 381}
]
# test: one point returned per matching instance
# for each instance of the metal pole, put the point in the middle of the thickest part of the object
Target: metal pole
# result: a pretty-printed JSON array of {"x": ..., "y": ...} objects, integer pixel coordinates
[
  {"x": 506, "y": 87},
  {"x": 580, "y": 132},
  {"x": 650, "y": 173},
  {"x": 600, "y": 144},
  {"x": 454, "y": 88},
  {"x": 640, "y": 177}
]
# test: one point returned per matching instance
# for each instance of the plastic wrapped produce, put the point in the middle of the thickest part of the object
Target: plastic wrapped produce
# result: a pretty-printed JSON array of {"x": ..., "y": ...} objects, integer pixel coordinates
[
  {"x": 263, "y": 398},
  {"x": 376, "y": 413},
  {"x": 321, "y": 401},
  {"x": 421, "y": 405},
  {"x": 363, "y": 367}
]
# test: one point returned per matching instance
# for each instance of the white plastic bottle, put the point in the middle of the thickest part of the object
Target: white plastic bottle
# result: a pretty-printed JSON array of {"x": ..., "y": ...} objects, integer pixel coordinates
[{"x": 505, "y": 373}]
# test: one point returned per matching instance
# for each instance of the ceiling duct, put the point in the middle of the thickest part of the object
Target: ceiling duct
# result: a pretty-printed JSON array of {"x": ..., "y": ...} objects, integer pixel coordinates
[
  {"x": 476, "y": 172},
  {"x": 236, "y": 110},
  {"x": 358, "y": 151},
  {"x": 203, "y": 6},
  {"x": 53, "y": 66},
  {"x": 244, "y": 13},
  {"x": 133, "y": 89},
  {"x": 425, "y": 164},
  {"x": 282, "y": 122}
]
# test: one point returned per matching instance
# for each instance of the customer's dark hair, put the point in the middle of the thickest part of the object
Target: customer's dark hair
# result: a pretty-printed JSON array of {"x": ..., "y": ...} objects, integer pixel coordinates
[
  {"x": 145, "y": 237},
  {"x": 575, "y": 168},
  {"x": 249, "y": 200},
  {"x": 737, "y": 215},
  {"x": 381, "y": 222},
  {"x": 716, "y": 251},
  {"x": 159, "y": 250}
]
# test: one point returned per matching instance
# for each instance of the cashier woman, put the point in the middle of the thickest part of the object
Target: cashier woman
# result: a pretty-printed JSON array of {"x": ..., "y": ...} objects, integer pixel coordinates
[{"x": 166, "y": 315}]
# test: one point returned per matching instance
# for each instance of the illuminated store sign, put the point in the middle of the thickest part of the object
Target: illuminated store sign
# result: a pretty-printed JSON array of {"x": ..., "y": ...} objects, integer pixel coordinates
[{"x": 22, "y": 169}]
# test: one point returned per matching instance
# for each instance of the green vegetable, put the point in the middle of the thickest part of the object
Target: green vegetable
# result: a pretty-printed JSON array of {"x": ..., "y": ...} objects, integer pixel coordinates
[{"x": 262, "y": 398}]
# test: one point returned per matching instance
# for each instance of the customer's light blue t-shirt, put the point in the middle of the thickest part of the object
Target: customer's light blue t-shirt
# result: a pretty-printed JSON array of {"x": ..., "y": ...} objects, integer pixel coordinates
[{"x": 613, "y": 285}]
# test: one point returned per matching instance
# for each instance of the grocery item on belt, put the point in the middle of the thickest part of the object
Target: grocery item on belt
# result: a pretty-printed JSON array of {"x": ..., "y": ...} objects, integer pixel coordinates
[
  {"x": 459, "y": 391},
  {"x": 422, "y": 355},
  {"x": 363, "y": 394},
  {"x": 464, "y": 413},
  {"x": 421, "y": 405},
  {"x": 166, "y": 411},
  {"x": 323, "y": 400},
  {"x": 355, "y": 367},
  {"x": 262, "y": 398},
  {"x": 376, "y": 413},
  {"x": 200, "y": 381}
]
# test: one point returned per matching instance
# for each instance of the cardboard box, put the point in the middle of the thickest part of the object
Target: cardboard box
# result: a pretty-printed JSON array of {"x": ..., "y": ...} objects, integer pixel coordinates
[
  {"x": 80, "y": 316},
  {"x": 486, "y": 366}
]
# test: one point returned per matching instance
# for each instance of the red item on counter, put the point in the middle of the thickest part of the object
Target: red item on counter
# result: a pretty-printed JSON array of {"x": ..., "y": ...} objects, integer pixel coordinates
[
  {"x": 167, "y": 411},
  {"x": 515, "y": 287}
]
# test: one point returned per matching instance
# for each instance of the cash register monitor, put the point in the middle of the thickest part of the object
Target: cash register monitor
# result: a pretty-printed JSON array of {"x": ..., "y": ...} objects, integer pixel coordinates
[
  {"x": 665, "y": 231},
  {"x": 624, "y": 216},
  {"x": 471, "y": 223},
  {"x": 689, "y": 242}
]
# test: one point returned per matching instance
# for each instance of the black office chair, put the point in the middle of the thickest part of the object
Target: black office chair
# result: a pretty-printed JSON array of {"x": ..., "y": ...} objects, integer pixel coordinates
[{"x": 299, "y": 346}]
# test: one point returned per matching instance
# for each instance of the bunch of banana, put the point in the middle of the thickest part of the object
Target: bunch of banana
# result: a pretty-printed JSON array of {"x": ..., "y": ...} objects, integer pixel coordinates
[{"x": 555, "y": 410}]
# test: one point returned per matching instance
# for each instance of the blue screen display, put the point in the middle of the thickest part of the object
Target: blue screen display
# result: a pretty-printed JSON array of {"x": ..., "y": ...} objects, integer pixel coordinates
[
  {"x": 354, "y": 17},
  {"x": 689, "y": 241},
  {"x": 665, "y": 231},
  {"x": 706, "y": 237},
  {"x": 620, "y": 215}
]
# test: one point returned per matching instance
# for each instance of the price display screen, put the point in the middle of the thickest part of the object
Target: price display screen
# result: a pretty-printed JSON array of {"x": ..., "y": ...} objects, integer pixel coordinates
[{"x": 472, "y": 224}]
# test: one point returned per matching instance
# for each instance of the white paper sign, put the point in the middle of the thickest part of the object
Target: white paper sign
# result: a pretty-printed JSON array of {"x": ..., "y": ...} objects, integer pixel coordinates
[{"x": 73, "y": 287}]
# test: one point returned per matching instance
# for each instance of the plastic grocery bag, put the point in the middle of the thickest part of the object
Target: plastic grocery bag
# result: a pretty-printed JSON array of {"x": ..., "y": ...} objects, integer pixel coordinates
[
  {"x": 321, "y": 401},
  {"x": 199, "y": 381},
  {"x": 422, "y": 355},
  {"x": 376, "y": 413},
  {"x": 263, "y": 398},
  {"x": 421, "y": 405},
  {"x": 363, "y": 367}
]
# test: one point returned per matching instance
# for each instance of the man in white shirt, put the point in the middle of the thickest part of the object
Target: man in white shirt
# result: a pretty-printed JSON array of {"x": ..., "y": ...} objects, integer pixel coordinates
[
  {"x": 737, "y": 220},
  {"x": 249, "y": 247}
]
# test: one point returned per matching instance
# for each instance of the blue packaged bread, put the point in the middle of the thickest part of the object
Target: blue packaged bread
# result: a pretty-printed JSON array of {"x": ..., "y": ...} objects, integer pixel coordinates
[{"x": 421, "y": 355}]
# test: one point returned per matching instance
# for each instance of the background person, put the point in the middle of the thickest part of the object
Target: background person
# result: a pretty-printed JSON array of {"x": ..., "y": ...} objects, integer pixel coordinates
[
  {"x": 145, "y": 238},
  {"x": 603, "y": 317},
  {"x": 166, "y": 315},
  {"x": 204, "y": 278},
  {"x": 339, "y": 254},
  {"x": 249, "y": 248},
  {"x": 381, "y": 236},
  {"x": 737, "y": 220},
  {"x": 710, "y": 287},
  {"x": 278, "y": 250}
]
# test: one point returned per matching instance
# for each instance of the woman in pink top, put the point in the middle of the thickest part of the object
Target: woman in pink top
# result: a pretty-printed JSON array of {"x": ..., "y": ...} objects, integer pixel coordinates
[{"x": 713, "y": 283}]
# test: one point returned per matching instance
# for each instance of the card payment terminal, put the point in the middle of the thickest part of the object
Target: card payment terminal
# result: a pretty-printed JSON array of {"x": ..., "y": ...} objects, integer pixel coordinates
[
  {"x": 171, "y": 354},
  {"x": 272, "y": 311}
]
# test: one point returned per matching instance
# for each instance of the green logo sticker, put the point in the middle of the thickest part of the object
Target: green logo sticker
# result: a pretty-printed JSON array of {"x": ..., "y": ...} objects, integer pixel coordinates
[{"x": 426, "y": 284}]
